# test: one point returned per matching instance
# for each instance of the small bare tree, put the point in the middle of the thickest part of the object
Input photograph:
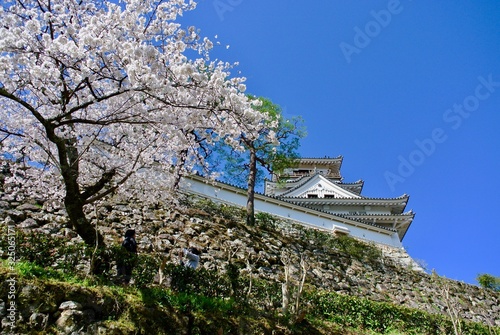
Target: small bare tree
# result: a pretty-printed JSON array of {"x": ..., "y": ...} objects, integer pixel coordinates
[
  {"x": 164, "y": 261},
  {"x": 231, "y": 248},
  {"x": 452, "y": 305},
  {"x": 250, "y": 271},
  {"x": 285, "y": 287},
  {"x": 293, "y": 285},
  {"x": 303, "y": 272}
]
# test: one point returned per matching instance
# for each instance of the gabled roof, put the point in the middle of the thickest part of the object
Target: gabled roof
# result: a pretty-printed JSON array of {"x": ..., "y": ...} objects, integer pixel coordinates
[
  {"x": 325, "y": 160},
  {"x": 400, "y": 226},
  {"x": 355, "y": 187},
  {"x": 400, "y": 222},
  {"x": 397, "y": 205},
  {"x": 318, "y": 184},
  {"x": 283, "y": 203},
  {"x": 328, "y": 192}
]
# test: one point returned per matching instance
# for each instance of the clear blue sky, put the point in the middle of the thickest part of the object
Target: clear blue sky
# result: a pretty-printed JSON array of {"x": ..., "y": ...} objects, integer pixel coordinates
[{"x": 407, "y": 91}]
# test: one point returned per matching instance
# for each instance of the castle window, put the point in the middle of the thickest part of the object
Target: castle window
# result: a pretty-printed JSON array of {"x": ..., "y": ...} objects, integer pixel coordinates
[
  {"x": 331, "y": 196},
  {"x": 312, "y": 196},
  {"x": 302, "y": 172}
]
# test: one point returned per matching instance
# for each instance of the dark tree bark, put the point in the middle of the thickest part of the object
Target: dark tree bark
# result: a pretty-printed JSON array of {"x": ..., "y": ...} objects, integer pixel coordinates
[
  {"x": 178, "y": 168},
  {"x": 251, "y": 187},
  {"x": 75, "y": 199}
]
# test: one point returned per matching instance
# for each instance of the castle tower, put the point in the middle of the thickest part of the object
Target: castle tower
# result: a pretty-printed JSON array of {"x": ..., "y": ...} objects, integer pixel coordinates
[{"x": 316, "y": 183}]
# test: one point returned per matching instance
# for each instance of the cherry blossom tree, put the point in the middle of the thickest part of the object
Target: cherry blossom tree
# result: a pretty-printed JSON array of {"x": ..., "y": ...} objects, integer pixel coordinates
[{"x": 110, "y": 98}]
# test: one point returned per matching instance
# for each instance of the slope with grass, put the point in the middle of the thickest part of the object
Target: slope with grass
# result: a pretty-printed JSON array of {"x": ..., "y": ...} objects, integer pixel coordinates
[{"x": 349, "y": 286}]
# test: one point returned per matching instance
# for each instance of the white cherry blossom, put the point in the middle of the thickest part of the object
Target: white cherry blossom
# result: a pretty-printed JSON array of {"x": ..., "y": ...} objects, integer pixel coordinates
[{"x": 107, "y": 99}]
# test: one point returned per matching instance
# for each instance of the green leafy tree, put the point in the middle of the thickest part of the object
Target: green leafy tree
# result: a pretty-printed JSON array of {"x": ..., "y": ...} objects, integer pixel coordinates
[
  {"x": 261, "y": 155},
  {"x": 489, "y": 281}
]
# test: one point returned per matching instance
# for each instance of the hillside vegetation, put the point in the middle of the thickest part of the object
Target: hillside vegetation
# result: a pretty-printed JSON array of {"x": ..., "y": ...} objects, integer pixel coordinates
[{"x": 332, "y": 285}]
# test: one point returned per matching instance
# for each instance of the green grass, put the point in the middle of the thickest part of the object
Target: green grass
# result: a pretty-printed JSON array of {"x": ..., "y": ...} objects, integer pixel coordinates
[
  {"x": 213, "y": 301},
  {"x": 147, "y": 306}
]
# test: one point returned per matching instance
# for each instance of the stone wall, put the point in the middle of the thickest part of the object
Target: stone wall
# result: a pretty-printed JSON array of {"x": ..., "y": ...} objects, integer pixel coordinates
[{"x": 221, "y": 234}]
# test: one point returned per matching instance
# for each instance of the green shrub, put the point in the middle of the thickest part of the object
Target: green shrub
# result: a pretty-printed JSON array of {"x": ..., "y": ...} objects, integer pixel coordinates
[
  {"x": 32, "y": 270},
  {"x": 381, "y": 317},
  {"x": 156, "y": 295},
  {"x": 359, "y": 250},
  {"x": 207, "y": 205},
  {"x": 265, "y": 220},
  {"x": 45, "y": 250},
  {"x": 145, "y": 268},
  {"x": 199, "y": 281},
  {"x": 489, "y": 282},
  {"x": 195, "y": 302},
  {"x": 221, "y": 209}
]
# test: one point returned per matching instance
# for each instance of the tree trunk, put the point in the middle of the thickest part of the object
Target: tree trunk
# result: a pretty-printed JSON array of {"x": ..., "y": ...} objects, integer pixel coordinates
[
  {"x": 285, "y": 287},
  {"x": 91, "y": 236},
  {"x": 303, "y": 274},
  {"x": 81, "y": 224},
  {"x": 74, "y": 201},
  {"x": 178, "y": 168},
  {"x": 251, "y": 188}
]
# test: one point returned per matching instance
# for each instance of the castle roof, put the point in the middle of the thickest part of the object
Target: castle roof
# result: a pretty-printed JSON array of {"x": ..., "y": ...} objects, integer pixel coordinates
[
  {"x": 309, "y": 209},
  {"x": 315, "y": 186},
  {"x": 400, "y": 222},
  {"x": 323, "y": 161},
  {"x": 316, "y": 183}
]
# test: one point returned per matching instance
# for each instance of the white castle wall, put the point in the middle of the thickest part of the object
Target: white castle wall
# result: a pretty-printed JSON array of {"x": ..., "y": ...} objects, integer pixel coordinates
[{"x": 232, "y": 195}]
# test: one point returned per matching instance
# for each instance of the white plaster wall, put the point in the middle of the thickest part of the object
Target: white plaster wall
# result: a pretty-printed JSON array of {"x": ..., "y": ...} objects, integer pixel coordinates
[
  {"x": 343, "y": 210},
  {"x": 222, "y": 193}
]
